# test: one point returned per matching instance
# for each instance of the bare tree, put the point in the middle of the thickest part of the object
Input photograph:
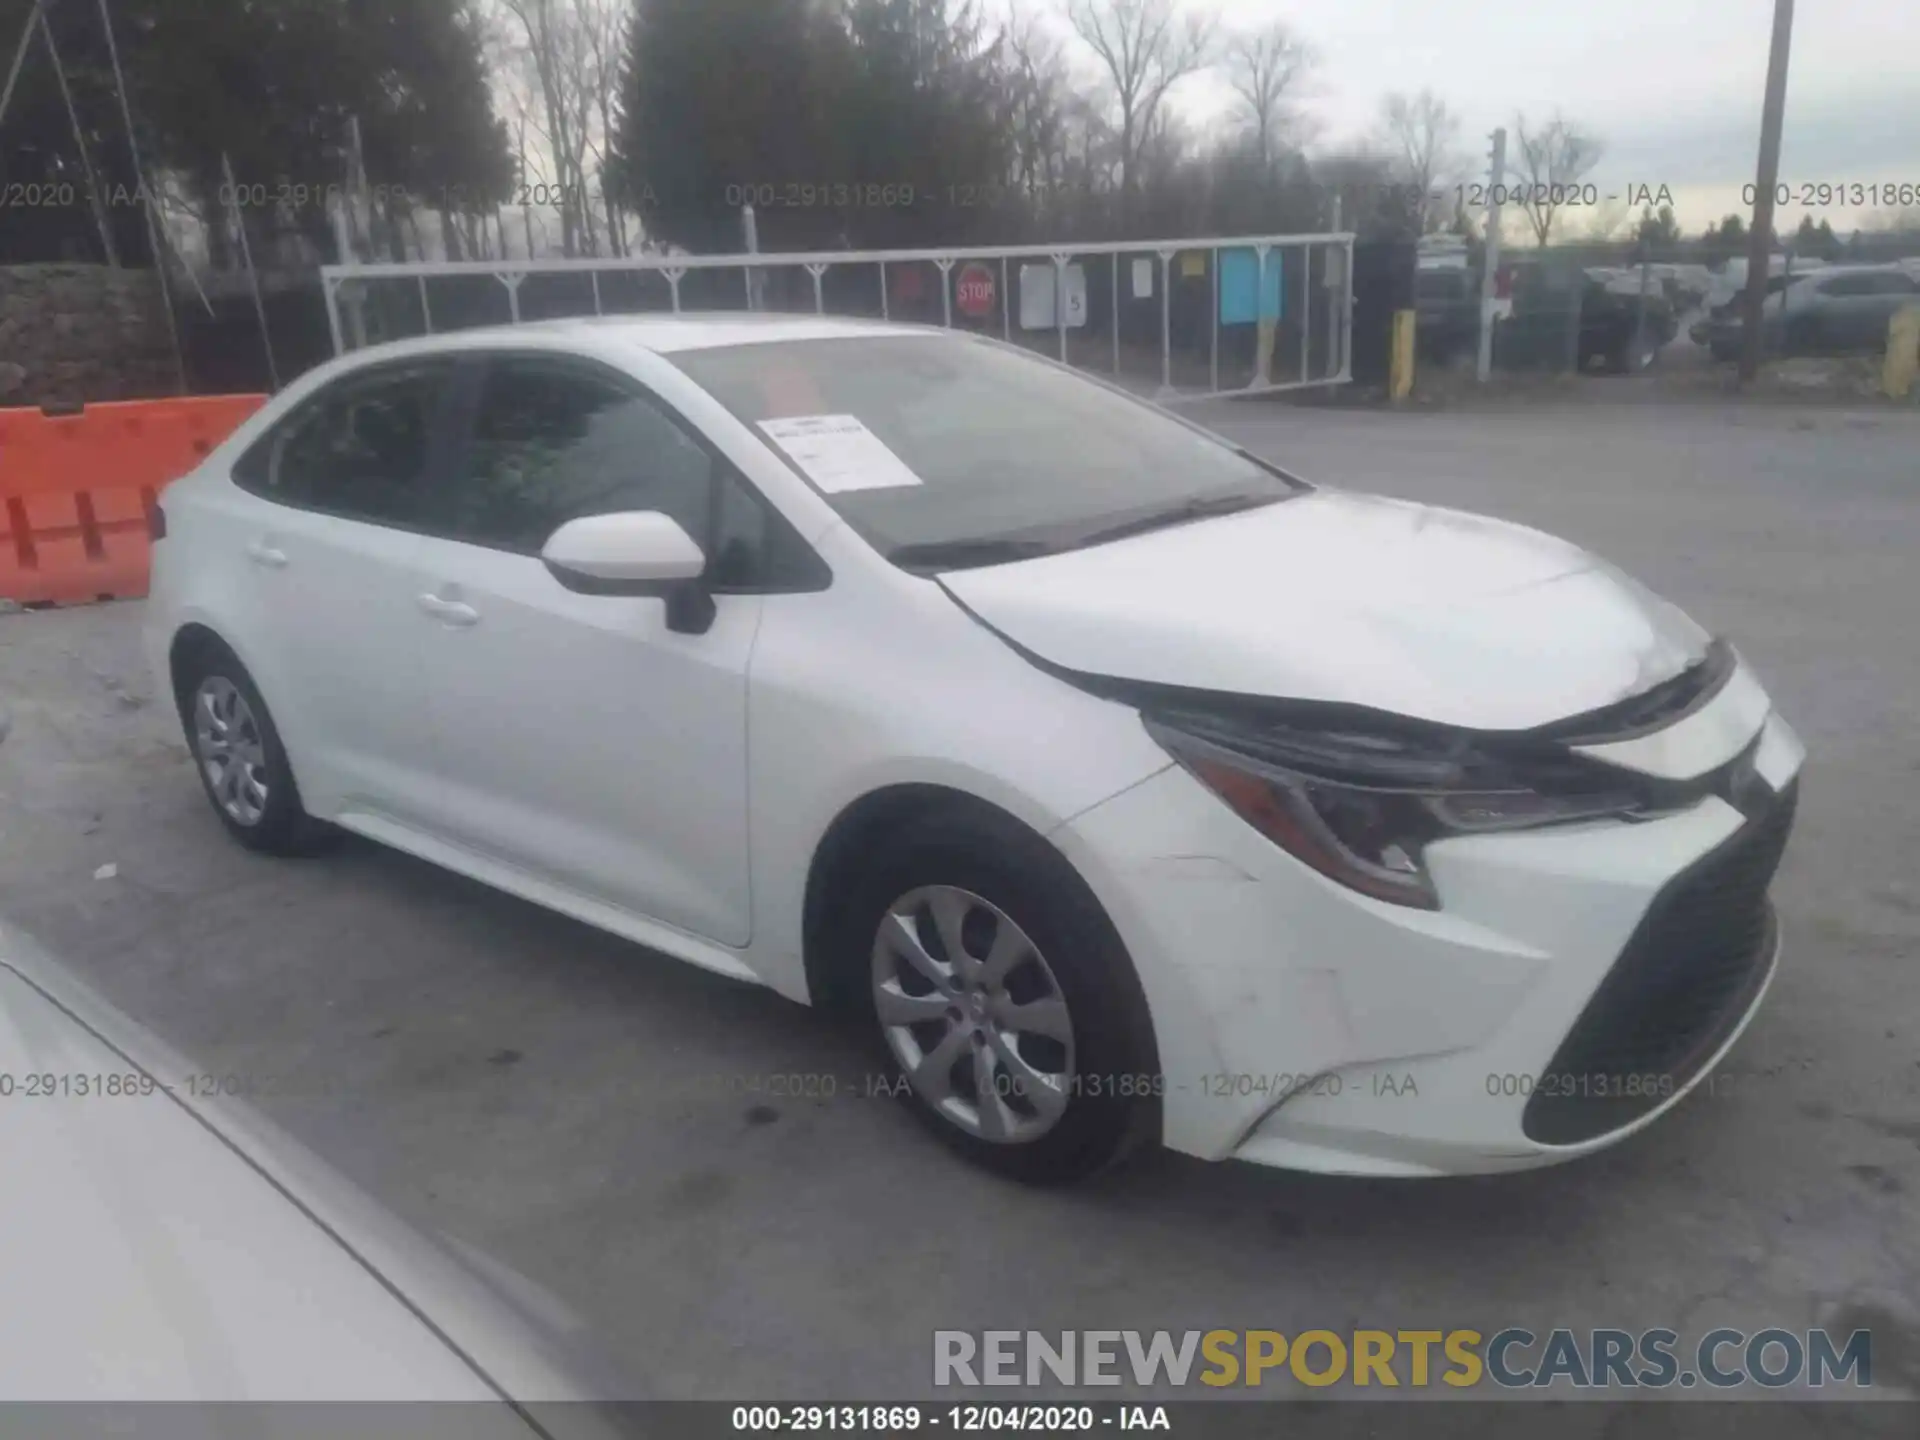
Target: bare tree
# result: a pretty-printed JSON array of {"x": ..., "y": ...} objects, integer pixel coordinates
[
  {"x": 1064, "y": 150},
  {"x": 1892, "y": 219},
  {"x": 602, "y": 24},
  {"x": 1262, "y": 67},
  {"x": 1038, "y": 87},
  {"x": 1360, "y": 181},
  {"x": 1421, "y": 132},
  {"x": 560, "y": 51},
  {"x": 1550, "y": 160},
  {"x": 1147, "y": 47},
  {"x": 1610, "y": 220}
]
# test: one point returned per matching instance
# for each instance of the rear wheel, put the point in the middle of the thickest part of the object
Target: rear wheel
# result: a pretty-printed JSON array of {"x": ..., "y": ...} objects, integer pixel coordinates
[
  {"x": 1003, "y": 1000},
  {"x": 1632, "y": 353},
  {"x": 242, "y": 762}
]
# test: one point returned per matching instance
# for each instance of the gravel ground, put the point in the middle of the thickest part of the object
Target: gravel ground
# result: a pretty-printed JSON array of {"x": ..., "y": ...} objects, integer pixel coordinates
[{"x": 589, "y": 1112}]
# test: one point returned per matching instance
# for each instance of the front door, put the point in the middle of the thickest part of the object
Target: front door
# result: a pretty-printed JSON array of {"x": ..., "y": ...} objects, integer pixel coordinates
[{"x": 580, "y": 739}]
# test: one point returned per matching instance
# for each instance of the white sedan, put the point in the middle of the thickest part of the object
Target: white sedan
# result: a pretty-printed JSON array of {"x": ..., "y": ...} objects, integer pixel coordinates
[{"x": 1130, "y": 787}]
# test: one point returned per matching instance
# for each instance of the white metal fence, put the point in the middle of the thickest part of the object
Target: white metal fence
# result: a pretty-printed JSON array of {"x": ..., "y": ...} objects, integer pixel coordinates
[{"x": 1177, "y": 319}]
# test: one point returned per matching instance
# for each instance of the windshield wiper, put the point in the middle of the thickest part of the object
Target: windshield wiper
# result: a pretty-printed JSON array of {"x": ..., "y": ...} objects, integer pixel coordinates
[
  {"x": 964, "y": 554},
  {"x": 1200, "y": 507},
  {"x": 1003, "y": 549}
]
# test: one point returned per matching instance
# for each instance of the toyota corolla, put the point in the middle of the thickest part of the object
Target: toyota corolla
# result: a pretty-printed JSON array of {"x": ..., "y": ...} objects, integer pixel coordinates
[{"x": 1127, "y": 787}]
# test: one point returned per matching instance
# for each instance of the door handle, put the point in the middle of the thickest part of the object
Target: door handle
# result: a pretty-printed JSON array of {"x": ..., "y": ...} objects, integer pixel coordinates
[
  {"x": 449, "y": 612},
  {"x": 267, "y": 555}
]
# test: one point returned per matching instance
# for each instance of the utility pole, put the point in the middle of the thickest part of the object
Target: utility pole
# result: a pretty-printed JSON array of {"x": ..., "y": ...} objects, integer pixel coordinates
[
  {"x": 1760, "y": 243},
  {"x": 756, "y": 279},
  {"x": 1490, "y": 252}
]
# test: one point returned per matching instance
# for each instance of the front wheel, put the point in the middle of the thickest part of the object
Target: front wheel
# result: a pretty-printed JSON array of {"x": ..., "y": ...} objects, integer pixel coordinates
[{"x": 1005, "y": 1002}]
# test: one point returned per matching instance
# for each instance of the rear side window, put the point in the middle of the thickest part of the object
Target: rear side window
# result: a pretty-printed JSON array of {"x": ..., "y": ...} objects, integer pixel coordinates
[
  {"x": 552, "y": 442},
  {"x": 360, "y": 448}
]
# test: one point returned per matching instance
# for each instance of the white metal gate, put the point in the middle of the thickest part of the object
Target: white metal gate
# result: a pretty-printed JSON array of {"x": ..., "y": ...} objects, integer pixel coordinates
[{"x": 1176, "y": 319}]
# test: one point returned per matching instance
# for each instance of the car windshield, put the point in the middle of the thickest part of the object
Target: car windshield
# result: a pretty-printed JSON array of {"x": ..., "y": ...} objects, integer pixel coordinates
[{"x": 944, "y": 452}]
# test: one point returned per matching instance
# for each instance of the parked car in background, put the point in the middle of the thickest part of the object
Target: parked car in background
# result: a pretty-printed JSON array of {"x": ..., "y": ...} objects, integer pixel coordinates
[
  {"x": 1446, "y": 301},
  {"x": 1612, "y": 330},
  {"x": 1729, "y": 282},
  {"x": 1721, "y": 315},
  {"x": 1621, "y": 328},
  {"x": 1839, "y": 310},
  {"x": 159, "y": 1241},
  {"x": 1686, "y": 286}
]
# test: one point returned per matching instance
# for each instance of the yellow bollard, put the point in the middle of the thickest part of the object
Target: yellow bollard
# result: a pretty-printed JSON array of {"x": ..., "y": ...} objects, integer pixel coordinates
[
  {"x": 1903, "y": 353},
  {"x": 1400, "y": 376}
]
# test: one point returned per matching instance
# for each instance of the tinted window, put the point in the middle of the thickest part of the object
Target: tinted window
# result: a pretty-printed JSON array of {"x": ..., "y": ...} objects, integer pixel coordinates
[
  {"x": 1000, "y": 443},
  {"x": 743, "y": 536},
  {"x": 553, "y": 442},
  {"x": 1440, "y": 284},
  {"x": 359, "y": 448}
]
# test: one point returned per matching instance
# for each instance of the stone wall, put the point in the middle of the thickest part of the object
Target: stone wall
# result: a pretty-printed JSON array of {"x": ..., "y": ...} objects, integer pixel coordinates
[{"x": 76, "y": 333}]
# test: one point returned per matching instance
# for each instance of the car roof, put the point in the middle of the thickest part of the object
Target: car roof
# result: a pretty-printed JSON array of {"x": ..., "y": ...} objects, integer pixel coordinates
[
  {"x": 1838, "y": 272},
  {"x": 667, "y": 333},
  {"x": 663, "y": 334},
  {"x": 1827, "y": 272}
]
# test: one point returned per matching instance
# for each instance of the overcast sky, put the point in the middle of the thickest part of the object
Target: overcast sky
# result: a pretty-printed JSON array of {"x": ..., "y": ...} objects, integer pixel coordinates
[{"x": 1672, "y": 87}]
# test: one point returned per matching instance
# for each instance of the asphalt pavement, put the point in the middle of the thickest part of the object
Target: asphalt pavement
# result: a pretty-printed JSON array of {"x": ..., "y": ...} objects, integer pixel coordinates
[{"x": 625, "y": 1130}]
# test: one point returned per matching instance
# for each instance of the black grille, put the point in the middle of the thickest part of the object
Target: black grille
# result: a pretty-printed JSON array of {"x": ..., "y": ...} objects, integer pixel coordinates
[{"x": 1681, "y": 985}]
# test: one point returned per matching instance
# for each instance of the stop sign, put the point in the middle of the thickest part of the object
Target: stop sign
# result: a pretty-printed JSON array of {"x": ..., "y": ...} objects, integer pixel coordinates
[{"x": 973, "y": 290}]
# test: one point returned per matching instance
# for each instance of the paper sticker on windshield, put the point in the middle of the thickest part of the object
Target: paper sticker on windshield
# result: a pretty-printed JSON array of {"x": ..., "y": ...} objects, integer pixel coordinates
[{"x": 838, "y": 453}]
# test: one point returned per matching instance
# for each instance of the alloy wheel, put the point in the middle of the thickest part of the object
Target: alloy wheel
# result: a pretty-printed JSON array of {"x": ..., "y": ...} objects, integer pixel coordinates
[
  {"x": 973, "y": 1014},
  {"x": 227, "y": 741}
]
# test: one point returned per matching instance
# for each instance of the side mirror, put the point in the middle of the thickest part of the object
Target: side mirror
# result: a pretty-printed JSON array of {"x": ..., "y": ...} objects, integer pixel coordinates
[{"x": 635, "y": 552}]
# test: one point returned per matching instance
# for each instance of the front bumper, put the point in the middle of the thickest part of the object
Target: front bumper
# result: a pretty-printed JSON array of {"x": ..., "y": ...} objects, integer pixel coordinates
[{"x": 1553, "y": 1006}]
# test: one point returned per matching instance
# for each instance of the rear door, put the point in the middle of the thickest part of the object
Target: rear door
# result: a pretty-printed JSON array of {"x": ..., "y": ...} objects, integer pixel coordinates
[{"x": 326, "y": 536}]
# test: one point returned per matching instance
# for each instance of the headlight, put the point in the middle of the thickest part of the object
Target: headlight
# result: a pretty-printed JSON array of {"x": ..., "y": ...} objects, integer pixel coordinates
[{"x": 1361, "y": 808}]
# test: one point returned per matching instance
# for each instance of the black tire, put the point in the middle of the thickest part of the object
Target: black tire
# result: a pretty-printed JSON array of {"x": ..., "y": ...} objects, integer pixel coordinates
[
  {"x": 1112, "y": 1106},
  {"x": 1623, "y": 358},
  {"x": 283, "y": 826}
]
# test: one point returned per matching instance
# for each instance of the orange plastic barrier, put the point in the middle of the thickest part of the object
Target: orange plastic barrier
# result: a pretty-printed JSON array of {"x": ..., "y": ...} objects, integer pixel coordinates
[{"x": 75, "y": 490}]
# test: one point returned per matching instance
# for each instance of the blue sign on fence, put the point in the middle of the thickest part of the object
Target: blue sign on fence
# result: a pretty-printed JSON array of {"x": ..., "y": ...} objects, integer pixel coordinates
[{"x": 1243, "y": 297}]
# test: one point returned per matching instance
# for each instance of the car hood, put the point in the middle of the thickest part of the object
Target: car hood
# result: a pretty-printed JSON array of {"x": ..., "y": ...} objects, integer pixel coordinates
[{"x": 1340, "y": 597}]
